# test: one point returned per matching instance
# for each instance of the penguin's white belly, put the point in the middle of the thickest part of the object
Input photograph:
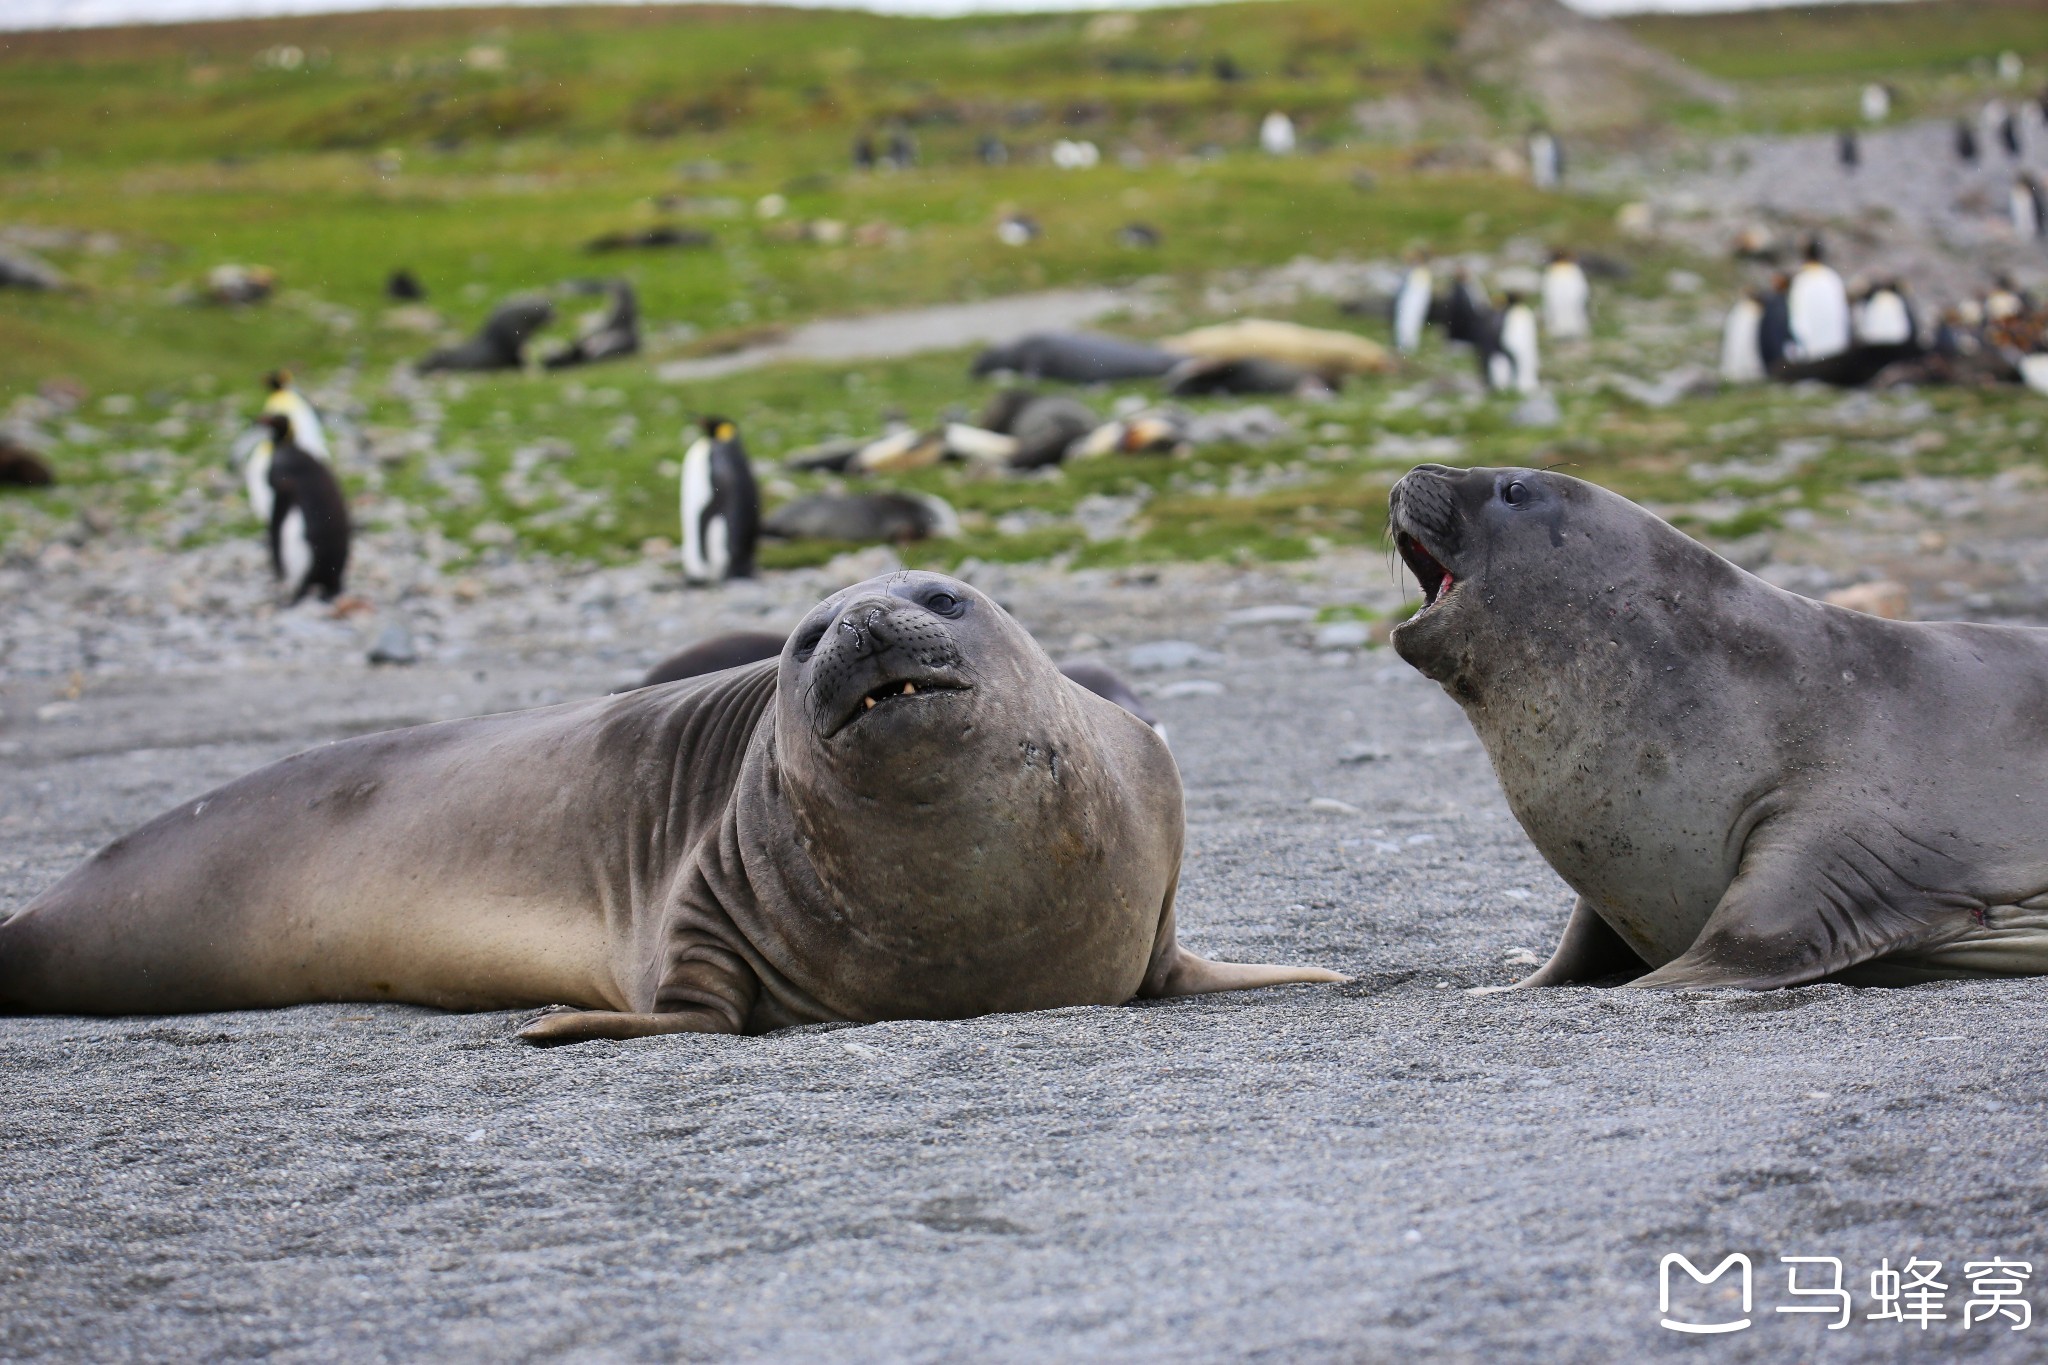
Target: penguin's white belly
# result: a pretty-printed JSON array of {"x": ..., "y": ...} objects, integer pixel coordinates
[
  {"x": 1411, "y": 310},
  {"x": 717, "y": 548},
  {"x": 294, "y": 551},
  {"x": 1820, "y": 317},
  {"x": 257, "y": 476},
  {"x": 696, "y": 497},
  {"x": 1564, "y": 304},
  {"x": 1518, "y": 339},
  {"x": 1742, "y": 360},
  {"x": 1885, "y": 322}
]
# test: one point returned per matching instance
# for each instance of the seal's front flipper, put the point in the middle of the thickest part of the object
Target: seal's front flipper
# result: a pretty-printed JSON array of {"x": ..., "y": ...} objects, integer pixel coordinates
[
  {"x": 1191, "y": 975},
  {"x": 1589, "y": 950},
  {"x": 1804, "y": 909},
  {"x": 582, "y": 1026}
]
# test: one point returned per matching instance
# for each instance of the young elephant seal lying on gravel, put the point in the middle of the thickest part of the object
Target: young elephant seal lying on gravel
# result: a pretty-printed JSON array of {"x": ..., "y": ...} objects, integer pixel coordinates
[
  {"x": 910, "y": 814},
  {"x": 1745, "y": 787}
]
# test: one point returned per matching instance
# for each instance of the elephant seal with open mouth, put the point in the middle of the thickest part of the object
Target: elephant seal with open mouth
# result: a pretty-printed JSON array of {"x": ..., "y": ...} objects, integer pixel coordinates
[
  {"x": 909, "y": 814},
  {"x": 1746, "y": 788}
]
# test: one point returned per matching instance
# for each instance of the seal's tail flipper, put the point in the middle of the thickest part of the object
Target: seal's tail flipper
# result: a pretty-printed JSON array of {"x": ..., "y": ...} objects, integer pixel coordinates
[
  {"x": 1805, "y": 908},
  {"x": 1191, "y": 975}
]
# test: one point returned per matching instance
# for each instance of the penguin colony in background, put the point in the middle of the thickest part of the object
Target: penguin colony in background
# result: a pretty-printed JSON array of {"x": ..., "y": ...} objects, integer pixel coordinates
[
  {"x": 1807, "y": 327},
  {"x": 721, "y": 507},
  {"x": 1507, "y": 343}
]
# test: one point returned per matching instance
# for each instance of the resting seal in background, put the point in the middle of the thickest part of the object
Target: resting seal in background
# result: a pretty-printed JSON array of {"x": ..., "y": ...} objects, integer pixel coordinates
[
  {"x": 909, "y": 815},
  {"x": 1075, "y": 357},
  {"x": 1746, "y": 787}
]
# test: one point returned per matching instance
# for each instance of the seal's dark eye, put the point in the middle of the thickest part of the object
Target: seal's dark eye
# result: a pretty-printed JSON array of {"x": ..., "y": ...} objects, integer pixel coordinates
[
  {"x": 1515, "y": 494},
  {"x": 944, "y": 604},
  {"x": 807, "y": 643}
]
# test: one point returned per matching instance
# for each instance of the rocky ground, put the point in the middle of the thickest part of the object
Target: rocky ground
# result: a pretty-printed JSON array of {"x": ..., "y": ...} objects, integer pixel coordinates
[
  {"x": 1305, "y": 1173},
  {"x": 1389, "y": 1166}
]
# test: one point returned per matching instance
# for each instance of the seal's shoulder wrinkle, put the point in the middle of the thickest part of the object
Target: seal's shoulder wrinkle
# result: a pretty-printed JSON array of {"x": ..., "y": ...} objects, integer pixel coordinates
[{"x": 700, "y": 726}]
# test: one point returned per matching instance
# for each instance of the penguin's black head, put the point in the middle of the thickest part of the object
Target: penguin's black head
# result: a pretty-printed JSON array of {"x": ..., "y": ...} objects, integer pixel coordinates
[
  {"x": 720, "y": 428},
  {"x": 1815, "y": 251},
  {"x": 278, "y": 380}
]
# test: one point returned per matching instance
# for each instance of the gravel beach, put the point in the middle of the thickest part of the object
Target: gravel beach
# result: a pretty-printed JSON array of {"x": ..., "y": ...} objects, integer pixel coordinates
[{"x": 1304, "y": 1174}]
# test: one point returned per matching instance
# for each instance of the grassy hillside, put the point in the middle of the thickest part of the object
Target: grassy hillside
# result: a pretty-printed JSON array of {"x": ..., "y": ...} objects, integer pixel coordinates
[
  {"x": 1930, "y": 37},
  {"x": 482, "y": 149},
  {"x": 755, "y": 78}
]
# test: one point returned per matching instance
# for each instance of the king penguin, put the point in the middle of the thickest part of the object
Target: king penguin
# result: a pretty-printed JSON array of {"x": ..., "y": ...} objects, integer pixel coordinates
[
  {"x": 1885, "y": 319},
  {"x": 721, "y": 507},
  {"x": 2029, "y": 221},
  {"x": 1466, "y": 310},
  {"x": 255, "y": 452},
  {"x": 1546, "y": 160},
  {"x": 309, "y": 526},
  {"x": 1819, "y": 306},
  {"x": 1565, "y": 295},
  {"x": 1508, "y": 356},
  {"x": 1411, "y": 305},
  {"x": 1742, "y": 356}
]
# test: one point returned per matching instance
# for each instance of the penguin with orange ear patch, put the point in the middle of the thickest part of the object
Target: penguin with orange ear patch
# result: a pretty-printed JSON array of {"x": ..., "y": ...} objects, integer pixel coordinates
[{"x": 721, "y": 506}]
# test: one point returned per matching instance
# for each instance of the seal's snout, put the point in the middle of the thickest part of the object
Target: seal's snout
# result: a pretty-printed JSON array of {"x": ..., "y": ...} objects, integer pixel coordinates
[
  {"x": 1423, "y": 508},
  {"x": 1425, "y": 504},
  {"x": 882, "y": 653}
]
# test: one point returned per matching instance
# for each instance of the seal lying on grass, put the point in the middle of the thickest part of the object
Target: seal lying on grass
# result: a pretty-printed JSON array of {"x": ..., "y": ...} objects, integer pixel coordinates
[
  {"x": 1745, "y": 787},
  {"x": 909, "y": 814}
]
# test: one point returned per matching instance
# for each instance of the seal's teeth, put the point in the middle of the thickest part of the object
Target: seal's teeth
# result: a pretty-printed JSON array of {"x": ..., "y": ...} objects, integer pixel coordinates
[
  {"x": 870, "y": 702},
  {"x": 909, "y": 689}
]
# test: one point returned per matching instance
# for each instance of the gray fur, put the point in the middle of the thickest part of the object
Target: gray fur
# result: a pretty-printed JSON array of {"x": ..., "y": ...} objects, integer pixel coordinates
[
  {"x": 1745, "y": 787},
  {"x": 742, "y": 852}
]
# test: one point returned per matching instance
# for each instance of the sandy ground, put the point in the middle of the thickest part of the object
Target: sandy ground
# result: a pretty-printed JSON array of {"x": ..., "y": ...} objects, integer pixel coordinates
[{"x": 1298, "y": 1174}]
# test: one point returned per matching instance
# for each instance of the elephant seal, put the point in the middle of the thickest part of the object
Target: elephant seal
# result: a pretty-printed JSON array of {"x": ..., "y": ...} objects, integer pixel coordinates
[
  {"x": 742, "y": 647},
  {"x": 862, "y": 517},
  {"x": 909, "y": 814},
  {"x": 1076, "y": 358},
  {"x": 1747, "y": 788}
]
